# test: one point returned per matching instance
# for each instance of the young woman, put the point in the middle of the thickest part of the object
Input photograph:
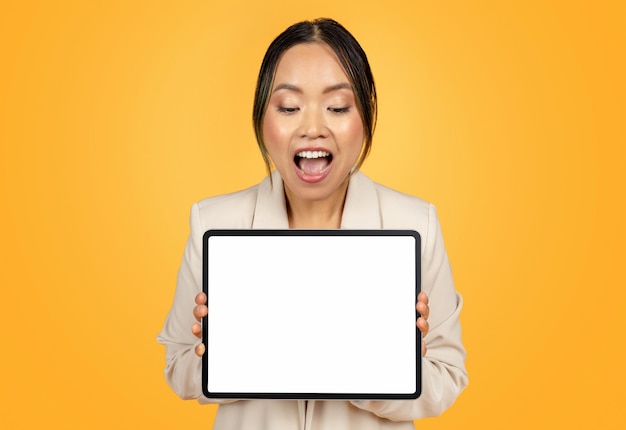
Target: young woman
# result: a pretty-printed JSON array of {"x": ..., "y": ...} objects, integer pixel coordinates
[{"x": 314, "y": 116}]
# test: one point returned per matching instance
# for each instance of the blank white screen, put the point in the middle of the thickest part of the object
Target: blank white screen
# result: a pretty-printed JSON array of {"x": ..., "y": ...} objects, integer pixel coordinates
[{"x": 311, "y": 314}]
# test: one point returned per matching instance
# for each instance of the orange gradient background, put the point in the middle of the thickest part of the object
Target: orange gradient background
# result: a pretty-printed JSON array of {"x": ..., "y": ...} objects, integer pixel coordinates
[{"x": 116, "y": 116}]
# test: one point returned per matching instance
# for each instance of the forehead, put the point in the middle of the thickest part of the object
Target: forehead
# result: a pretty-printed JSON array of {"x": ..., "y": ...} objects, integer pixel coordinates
[{"x": 308, "y": 65}]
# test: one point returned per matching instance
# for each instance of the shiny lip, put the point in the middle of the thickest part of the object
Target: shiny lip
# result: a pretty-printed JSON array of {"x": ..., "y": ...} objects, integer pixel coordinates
[{"x": 312, "y": 179}]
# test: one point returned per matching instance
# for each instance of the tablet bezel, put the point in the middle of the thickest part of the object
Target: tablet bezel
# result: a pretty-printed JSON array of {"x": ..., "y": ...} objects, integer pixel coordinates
[{"x": 308, "y": 395}]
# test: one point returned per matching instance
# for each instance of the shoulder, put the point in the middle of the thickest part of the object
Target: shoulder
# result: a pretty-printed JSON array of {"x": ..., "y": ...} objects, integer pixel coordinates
[
  {"x": 391, "y": 197},
  {"x": 400, "y": 210},
  {"x": 232, "y": 210},
  {"x": 403, "y": 211},
  {"x": 231, "y": 200}
]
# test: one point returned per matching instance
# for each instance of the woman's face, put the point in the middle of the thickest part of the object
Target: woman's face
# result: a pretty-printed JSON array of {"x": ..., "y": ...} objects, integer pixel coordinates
[{"x": 312, "y": 128}]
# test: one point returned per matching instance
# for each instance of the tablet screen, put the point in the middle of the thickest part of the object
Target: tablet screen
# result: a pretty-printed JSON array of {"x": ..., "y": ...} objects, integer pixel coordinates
[{"x": 311, "y": 314}]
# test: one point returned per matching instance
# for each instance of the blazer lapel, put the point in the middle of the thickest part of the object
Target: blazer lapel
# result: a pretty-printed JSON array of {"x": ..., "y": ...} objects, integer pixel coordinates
[
  {"x": 270, "y": 211},
  {"x": 361, "y": 209}
]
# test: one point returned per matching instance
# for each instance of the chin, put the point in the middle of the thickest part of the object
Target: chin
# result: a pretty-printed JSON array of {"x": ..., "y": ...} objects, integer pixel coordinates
[{"x": 314, "y": 192}]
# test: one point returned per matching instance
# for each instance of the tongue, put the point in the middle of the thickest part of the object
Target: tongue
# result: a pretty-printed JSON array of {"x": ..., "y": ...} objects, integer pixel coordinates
[{"x": 313, "y": 166}]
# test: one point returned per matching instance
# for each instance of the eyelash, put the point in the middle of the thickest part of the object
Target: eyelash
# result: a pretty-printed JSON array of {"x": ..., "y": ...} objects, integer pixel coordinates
[
  {"x": 292, "y": 110},
  {"x": 287, "y": 110}
]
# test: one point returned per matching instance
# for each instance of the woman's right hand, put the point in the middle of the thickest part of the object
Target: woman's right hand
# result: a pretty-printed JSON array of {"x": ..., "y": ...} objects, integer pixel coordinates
[{"x": 199, "y": 312}]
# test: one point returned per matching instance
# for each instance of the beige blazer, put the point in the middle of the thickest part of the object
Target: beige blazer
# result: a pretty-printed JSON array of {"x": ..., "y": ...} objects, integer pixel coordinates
[{"x": 368, "y": 206}]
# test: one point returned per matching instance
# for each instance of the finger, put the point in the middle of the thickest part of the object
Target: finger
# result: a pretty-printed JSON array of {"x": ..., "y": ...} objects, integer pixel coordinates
[
  {"x": 424, "y": 349},
  {"x": 201, "y": 299},
  {"x": 199, "y": 350},
  {"x": 423, "y": 309},
  {"x": 200, "y": 312},
  {"x": 423, "y": 325},
  {"x": 422, "y": 297},
  {"x": 196, "y": 329}
]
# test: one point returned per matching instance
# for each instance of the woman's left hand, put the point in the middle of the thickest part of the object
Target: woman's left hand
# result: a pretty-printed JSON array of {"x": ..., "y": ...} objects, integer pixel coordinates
[{"x": 422, "y": 321}]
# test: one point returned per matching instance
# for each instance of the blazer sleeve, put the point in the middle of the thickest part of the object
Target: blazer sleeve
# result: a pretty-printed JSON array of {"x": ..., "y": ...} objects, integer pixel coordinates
[
  {"x": 183, "y": 369},
  {"x": 443, "y": 368}
]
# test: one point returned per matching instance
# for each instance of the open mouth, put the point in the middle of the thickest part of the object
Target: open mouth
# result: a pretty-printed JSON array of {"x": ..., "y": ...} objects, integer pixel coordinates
[{"x": 313, "y": 162}]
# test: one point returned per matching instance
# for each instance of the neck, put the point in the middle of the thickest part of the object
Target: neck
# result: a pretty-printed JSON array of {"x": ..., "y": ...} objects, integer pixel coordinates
[{"x": 316, "y": 214}]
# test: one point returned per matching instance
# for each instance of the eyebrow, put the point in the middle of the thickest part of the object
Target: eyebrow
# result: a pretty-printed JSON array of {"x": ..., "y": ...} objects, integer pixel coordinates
[{"x": 295, "y": 88}]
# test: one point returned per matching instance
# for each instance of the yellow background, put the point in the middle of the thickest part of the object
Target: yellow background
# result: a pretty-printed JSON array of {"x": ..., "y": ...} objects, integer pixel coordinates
[{"x": 116, "y": 116}]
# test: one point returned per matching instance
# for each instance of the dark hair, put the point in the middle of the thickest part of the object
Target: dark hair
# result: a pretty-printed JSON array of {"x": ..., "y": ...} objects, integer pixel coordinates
[{"x": 352, "y": 59}]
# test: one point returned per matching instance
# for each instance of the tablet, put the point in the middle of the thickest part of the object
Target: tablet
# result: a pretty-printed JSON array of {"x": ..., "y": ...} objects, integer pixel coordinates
[{"x": 311, "y": 314}]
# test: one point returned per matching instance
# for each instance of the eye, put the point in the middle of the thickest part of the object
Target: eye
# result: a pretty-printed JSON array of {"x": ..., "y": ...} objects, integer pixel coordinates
[
  {"x": 287, "y": 110},
  {"x": 339, "y": 110}
]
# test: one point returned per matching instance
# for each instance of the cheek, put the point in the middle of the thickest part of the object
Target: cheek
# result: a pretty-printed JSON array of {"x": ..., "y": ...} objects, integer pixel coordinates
[
  {"x": 354, "y": 134},
  {"x": 274, "y": 133}
]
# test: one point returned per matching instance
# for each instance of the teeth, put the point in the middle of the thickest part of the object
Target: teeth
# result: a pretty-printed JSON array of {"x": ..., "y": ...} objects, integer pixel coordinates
[{"x": 312, "y": 154}]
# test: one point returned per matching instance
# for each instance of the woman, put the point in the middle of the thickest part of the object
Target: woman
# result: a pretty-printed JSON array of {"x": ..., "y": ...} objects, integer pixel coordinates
[{"x": 314, "y": 116}]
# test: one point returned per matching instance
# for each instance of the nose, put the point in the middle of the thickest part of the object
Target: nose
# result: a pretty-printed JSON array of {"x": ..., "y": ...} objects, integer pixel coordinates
[{"x": 313, "y": 124}]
